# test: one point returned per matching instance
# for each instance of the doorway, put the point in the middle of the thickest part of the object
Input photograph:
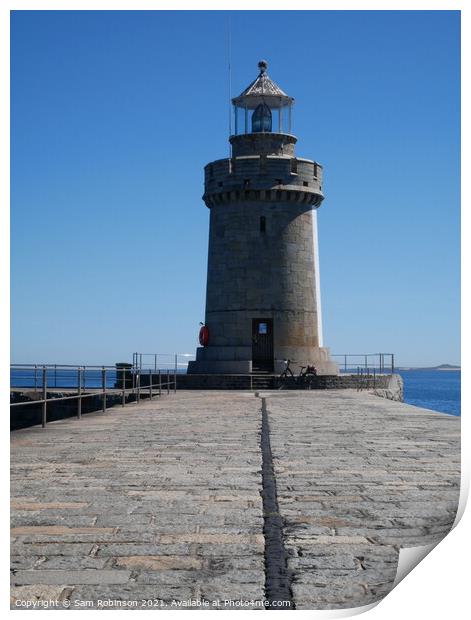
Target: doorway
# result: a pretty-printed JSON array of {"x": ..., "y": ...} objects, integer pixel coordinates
[{"x": 262, "y": 345}]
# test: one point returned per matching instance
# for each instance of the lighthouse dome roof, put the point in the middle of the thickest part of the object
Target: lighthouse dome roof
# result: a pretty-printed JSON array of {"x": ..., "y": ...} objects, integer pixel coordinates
[{"x": 263, "y": 90}]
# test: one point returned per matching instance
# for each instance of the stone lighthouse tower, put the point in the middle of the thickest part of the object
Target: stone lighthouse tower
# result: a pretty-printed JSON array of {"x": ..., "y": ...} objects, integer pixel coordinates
[{"x": 263, "y": 296}]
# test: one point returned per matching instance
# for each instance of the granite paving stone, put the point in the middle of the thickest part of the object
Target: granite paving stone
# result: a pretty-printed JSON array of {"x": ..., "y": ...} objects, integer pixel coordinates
[
  {"x": 161, "y": 499},
  {"x": 360, "y": 466},
  {"x": 161, "y": 503}
]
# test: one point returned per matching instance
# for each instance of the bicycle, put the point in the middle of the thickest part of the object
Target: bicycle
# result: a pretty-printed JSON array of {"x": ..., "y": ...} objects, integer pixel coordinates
[
  {"x": 306, "y": 374},
  {"x": 287, "y": 370},
  {"x": 304, "y": 377}
]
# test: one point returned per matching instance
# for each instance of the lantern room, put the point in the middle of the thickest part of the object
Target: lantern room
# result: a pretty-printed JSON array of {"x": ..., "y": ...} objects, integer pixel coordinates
[{"x": 262, "y": 107}]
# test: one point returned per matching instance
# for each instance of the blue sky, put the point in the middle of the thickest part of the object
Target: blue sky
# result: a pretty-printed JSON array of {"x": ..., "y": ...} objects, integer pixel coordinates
[{"x": 115, "y": 114}]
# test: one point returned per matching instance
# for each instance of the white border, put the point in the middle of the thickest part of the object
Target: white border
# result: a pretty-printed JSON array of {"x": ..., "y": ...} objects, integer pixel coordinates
[{"x": 439, "y": 588}]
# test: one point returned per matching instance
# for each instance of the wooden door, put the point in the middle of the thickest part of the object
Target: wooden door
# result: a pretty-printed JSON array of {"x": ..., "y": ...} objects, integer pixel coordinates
[{"x": 262, "y": 344}]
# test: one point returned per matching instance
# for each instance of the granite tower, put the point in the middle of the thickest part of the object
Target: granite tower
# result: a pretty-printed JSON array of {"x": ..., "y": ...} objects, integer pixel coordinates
[{"x": 263, "y": 296}]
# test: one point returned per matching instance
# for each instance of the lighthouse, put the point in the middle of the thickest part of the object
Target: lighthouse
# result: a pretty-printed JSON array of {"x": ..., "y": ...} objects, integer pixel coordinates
[{"x": 263, "y": 302}]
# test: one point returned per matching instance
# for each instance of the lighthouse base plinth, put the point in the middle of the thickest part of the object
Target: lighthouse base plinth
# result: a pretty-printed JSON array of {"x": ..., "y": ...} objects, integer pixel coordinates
[{"x": 237, "y": 360}]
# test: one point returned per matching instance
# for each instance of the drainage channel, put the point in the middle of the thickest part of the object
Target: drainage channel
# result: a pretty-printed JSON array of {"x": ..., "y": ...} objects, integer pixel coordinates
[{"x": 277, "y": 578}]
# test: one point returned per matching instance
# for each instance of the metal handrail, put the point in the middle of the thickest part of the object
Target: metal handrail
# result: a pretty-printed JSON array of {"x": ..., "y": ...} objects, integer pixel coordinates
[
  {"x": 136, "y": 388},
  {"x": 98, "y": 366},
  {"x": 153, "y": 360},
  {"x": 353, "y": 362}
]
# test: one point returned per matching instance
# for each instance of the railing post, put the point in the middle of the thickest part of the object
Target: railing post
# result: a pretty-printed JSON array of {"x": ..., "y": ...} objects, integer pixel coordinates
[
  {"x": 392, "y": 363},
  {"x": 103, "y": 381},
  {"x": 366, "y": 361},
  {"x": 345, "y": 364},
  {"x": 44, "y": 407},
  {"x": 155, "y": 362},
  {"x": 160, "y": 383},
  {"x": 374, "y": 377},
  {"x": 150, "y": 383},
  {"x": 175, "y": 374},
  {"x": 138, "y": 383},
  {"x": 123, "y": 400},
  {"x": 35, "y": 378},
  {"x": 79, "y": 391},
  {"x": 168, "y": 381}
]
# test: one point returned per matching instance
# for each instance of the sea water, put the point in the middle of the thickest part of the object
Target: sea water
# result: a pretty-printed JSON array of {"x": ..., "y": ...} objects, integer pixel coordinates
[{"x": 439, "y": 390}]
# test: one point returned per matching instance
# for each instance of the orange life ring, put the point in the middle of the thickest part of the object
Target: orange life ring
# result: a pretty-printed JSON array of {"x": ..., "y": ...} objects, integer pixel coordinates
[{"x": 204, "y": 336}]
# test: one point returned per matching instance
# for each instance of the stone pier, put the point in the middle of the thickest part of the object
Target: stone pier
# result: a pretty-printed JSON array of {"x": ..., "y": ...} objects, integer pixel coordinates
[{"x": 229, "y": 499}]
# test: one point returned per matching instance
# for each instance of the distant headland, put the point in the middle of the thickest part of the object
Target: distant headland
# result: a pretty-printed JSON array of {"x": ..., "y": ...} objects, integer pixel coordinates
[{"x": 441, "y": 367}]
